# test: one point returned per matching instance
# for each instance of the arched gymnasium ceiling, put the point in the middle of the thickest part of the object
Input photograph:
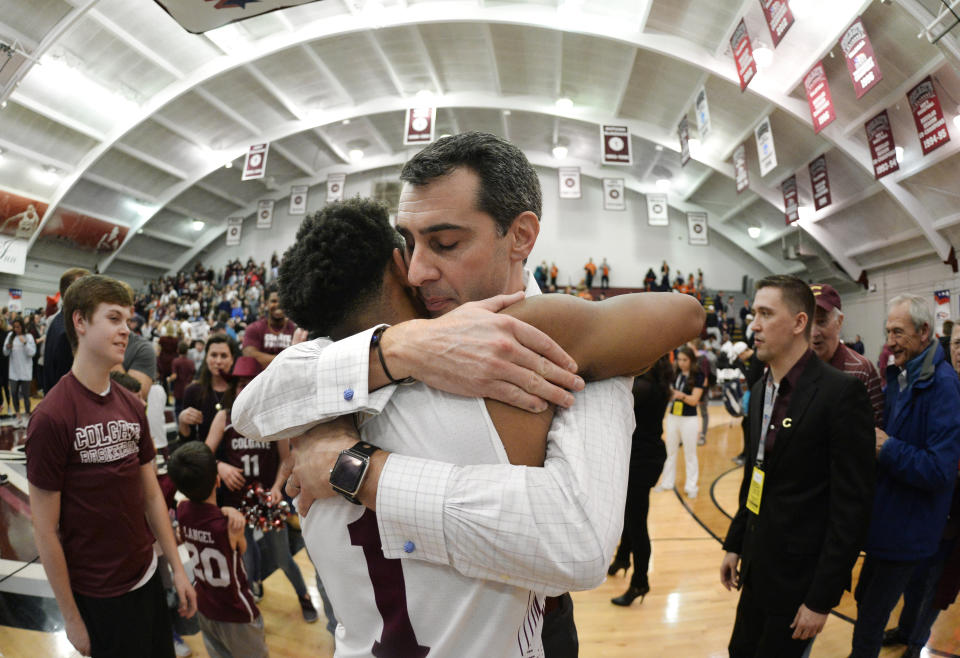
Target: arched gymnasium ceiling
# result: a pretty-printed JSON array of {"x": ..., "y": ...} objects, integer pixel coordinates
[{"x": 114, "y": 111}]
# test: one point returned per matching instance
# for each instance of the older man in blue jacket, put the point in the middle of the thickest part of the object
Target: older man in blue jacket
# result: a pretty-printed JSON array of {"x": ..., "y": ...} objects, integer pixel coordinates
[{"x": 917, "y": 453}]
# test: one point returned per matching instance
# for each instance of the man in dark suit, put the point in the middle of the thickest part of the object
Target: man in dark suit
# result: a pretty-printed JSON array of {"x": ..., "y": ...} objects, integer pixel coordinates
[{"x": 808, "y": 483}]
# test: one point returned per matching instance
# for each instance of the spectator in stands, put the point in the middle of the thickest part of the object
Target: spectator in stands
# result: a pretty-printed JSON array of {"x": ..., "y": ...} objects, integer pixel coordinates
[
  {"x": 140, "y": 358},
  {"x": 649, "y": 280},
  {"x": 744, "y": 312},
  {"x": 590, "y": 269},
  {"x": 204, "y": 398},
  {"x": 269, "y": 336},
  {"x": 20, "y": 347},
  {"x": 917, "y": 454},
  {"x": 664, "y": 277},
  {"x": 752, "y": 369},
  {"x": 57, "y": 355},
  {"x": 604, "y": 275},
  {"x": 712, "y": 323},
  {"x": 857, "y": 345},
  {"x": 681, "y": 427},
  {"x": 540, "y": 275},
  {"x": 182, "y": 371},
  {"x": 945, "y": 336},
  {"x": 827, "y": 323},
  {"x": 553, "y": 274}
]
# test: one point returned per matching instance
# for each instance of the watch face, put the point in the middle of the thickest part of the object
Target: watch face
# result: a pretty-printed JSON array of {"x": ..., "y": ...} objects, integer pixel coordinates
[{"x": 347, "y": 472}]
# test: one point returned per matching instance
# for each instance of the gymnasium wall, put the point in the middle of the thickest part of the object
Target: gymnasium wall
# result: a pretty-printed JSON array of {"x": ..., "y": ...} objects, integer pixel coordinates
[{"x": 571, "y": 231}]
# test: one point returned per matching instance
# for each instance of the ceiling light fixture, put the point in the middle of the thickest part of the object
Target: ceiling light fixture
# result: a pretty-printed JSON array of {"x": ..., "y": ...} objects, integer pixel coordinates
[
  {"x": 424, "y": 95},
  {"x": 763, "y": 56},
  {"x": 3, "y": 104},
  {"x": 559, "y": 152},
  {"x": 356, "y": 155},
  {"x": 658, "y": 148},
  {"x": 754, "y": 231},
  {"x": 694, "y": 145},
  {"x": 228, "y": 164},
  {"x": 345, "y": 122},
  {"x": 564, "y": 103},
  {"x": 899, "y": 151},
  {"x": 804, "y": 213},
  {"x": 664, "y": 184},
  {"x": 197, "y": 225}
]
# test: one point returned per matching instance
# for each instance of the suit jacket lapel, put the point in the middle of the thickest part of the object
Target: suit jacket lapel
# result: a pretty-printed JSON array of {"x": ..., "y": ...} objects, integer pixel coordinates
[
  {"x": 756, "y": 418},
  {"x": 800, "y": 399}
]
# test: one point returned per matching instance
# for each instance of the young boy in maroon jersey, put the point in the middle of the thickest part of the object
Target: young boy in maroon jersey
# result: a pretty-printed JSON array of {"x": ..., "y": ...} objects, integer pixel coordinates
[
  {"x": 213, "y": 536},
  {"x": 94, "y": 495}
]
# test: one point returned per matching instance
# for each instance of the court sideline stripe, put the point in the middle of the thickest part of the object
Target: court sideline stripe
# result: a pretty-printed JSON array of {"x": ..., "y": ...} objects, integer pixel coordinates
[{"x": 936, "y": 652}]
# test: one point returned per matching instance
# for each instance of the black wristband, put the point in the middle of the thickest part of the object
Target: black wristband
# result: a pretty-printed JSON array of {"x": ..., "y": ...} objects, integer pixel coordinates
[{"x": 375, "y": 342}]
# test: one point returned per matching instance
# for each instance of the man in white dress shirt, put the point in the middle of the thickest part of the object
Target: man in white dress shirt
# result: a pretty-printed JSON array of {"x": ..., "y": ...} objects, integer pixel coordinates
[{"x": 469, "y": 212}]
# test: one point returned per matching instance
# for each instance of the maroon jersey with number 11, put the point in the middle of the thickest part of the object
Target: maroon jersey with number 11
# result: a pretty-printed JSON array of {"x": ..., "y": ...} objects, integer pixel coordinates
[{"x": 259, "y": 461}]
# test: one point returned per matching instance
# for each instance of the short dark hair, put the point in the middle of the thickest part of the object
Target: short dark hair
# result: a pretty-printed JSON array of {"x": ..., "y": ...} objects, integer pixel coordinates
[
  {"x": 509, "y": 184},
  {"x": 182, "y": 348},
  {"x": 336, "y": 263},
  {"x": 69, "y": 277},
  {"x": 796, "y": 294},
  {"x": 193, "y": 468},
  {"x": 271, "y": 288},
  {"x": 127, "y": 381},
  {"x": 86, "y": 294}
]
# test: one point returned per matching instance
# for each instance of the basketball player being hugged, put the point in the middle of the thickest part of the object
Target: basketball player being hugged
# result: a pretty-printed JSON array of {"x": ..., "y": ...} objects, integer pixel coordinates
[
  {"x": 94, "y": 495},
  {"x": 213, "y": 536}
]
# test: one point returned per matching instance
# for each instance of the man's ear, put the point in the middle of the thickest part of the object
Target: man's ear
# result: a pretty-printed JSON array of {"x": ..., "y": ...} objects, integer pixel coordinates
[
  {"x": 523, "y": 234},
  {"x": 79, "y": 322},
  {"x": 399, "y": 266}
]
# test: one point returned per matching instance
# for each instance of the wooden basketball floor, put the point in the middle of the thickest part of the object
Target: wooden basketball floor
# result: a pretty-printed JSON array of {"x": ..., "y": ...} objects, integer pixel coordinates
[{"x": 687, "y": 612}]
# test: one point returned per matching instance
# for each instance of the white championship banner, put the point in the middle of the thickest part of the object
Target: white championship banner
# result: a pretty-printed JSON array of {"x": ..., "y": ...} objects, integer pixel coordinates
[
  {"x": 614, "y": 194},
  {"x": 569, "y": 180},
  {"x": 335, "y": 185},
  {"x": 196, "y": 17},
  {"x": 702, "y": 110},
  {"x": 657, "y": 213},
  {"x": 298, "y": 200},
  {"x": 234, "y": 228},
  {"x": 697, "y": 228},
  {"x": 265, "y": 213},
  {"x": 765, "y": 148}
]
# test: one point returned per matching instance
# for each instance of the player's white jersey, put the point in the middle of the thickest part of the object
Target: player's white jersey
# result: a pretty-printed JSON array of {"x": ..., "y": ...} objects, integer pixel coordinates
[{"x": 413, "y": 608}]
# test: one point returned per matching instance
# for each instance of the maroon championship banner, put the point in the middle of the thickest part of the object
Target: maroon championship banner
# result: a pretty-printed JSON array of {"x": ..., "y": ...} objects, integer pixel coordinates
[
  {"x": 255, "y": 164},
  {"x": 928, "y": 116},
  {"x": 820, "y": 183},
  {"x": 683, "y": 132},
  {"x": 743, "y": 55},
  {"x": 740, "y": 167},
  {"x": 818, "y": 97},
  {"x": 883, "y": 150},
  {"x": 616, "y": 145},
  {"x": 419, "y": 124},
  {"x": 791, "y": 206},
  {"x": 860, "y": 60},
  {"x": 779, "y": 18}
]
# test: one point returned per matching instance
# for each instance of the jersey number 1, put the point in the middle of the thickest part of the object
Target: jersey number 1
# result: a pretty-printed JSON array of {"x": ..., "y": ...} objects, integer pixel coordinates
[{"x": 398, "y": 639}]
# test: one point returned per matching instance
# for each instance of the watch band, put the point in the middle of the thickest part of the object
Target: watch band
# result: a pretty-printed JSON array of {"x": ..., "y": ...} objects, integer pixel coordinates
[{"x": 360, "y": 449}]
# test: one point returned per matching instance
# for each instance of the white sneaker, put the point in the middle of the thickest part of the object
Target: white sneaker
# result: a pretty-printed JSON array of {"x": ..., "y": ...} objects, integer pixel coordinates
[
  {"x": 660, "y": 487},
  {"x": 181, "y": 648}
]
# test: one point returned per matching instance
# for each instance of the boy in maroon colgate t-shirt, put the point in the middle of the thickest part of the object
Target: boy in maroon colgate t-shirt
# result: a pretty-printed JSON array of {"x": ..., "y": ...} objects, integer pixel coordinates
[
  {"x": 94, "y": 495},
  {"x": 213, "y": 537}
]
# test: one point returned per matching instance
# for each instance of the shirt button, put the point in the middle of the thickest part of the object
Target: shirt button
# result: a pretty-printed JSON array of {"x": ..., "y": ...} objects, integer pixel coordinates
[
  {"x": 409, "y": 547},
  {"x": 348, "y": 394}
]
